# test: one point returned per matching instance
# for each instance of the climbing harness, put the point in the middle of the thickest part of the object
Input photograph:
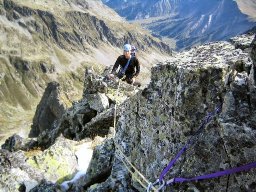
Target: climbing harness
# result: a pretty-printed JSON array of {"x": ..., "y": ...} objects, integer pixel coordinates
[{"x": 162, "y": 184}]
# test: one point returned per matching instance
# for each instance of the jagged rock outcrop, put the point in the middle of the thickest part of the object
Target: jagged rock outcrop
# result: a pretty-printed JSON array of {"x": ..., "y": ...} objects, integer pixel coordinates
[
  {"x": 156, "y": 122},
  {"x": 94, "y": 113},
  {"x": 49, "y": 110},
  {"x": 16, "y": 142}
]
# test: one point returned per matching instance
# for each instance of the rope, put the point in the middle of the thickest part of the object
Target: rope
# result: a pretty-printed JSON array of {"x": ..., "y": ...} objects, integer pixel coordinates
[
  {"x": 213, "y": 175},
  {"x": 121, "y": 156},
  {"x": 206, "y": 120},
  {"x": 131, "y": 172},
  {"x": 115, "y": 109},
  {"x": 135, "y": 169}
]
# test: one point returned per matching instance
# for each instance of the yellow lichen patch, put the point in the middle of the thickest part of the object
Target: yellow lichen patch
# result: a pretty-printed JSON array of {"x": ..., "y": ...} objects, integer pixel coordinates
[
  {"x": 118, "y": 96},
  {"x": 67, "y": 102},
  {"x": 33, "y": 152},
  {"x": 56, "y": 162}
]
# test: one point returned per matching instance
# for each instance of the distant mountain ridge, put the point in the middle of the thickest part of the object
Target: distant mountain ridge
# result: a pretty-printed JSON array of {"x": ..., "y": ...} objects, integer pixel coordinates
[{"x": 189, "y": 22}]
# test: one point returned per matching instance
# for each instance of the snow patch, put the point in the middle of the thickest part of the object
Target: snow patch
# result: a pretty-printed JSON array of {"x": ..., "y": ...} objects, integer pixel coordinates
[
  {"x": 84, "y": 154},
  {"x": 208, "y": 24}
]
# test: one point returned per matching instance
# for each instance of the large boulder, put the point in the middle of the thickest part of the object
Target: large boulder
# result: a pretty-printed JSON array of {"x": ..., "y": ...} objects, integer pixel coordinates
[
  {"x": 50, "y": 109},
  {"x": 16, "y": 173},
  {"x": 58, "y": 162}
]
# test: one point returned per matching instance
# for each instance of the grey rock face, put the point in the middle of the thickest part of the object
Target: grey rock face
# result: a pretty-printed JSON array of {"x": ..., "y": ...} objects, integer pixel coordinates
[
  {"x": 16, "y": 174},
  {"x": 252, "y": 79},
  {"x": 156, "y": 123}
]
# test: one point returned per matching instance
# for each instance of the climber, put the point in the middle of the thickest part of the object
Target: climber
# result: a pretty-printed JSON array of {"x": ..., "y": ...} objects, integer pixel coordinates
[{"x": 129, "y": 66}]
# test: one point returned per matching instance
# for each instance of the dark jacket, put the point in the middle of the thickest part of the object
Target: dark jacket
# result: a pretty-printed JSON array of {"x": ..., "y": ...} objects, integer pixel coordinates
[{"x": 133, "y": 69}]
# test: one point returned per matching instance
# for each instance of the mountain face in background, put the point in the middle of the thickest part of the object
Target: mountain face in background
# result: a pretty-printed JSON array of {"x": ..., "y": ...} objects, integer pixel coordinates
[
  {"x": 189, "y": 22},
  {"x": 44, "y": 41}
]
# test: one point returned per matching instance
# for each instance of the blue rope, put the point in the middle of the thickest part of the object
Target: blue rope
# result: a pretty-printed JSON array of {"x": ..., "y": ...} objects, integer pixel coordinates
[
  {"x": 206, "y": 120},
  {"x": 163, "y": 184}
]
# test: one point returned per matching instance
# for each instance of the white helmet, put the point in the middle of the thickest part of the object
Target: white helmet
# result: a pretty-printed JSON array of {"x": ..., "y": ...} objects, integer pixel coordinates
[{"x": 127, "y": 47}]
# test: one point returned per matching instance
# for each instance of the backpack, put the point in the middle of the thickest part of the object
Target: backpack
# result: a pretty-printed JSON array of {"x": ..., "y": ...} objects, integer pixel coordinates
[{"x": 133, "y": 51}]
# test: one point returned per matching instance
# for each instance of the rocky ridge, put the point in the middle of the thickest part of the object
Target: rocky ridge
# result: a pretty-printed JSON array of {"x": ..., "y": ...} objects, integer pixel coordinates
[{"x": 155, "y": 122}]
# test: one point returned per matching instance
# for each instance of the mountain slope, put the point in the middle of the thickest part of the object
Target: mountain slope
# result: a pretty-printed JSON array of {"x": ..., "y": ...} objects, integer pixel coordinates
[
  {"x": 42, "y": 41},
  {"x": 248, "y": 7},
  {"x": 189, "y": 22}
]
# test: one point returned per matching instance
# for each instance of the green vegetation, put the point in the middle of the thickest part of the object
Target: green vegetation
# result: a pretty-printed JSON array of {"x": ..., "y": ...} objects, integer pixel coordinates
[
  {"x": 21, "y": 91},
  {"x": 57, "y": 6},
  {"x": 61, "y": 55},
  {"x": 247, "y": 7}
]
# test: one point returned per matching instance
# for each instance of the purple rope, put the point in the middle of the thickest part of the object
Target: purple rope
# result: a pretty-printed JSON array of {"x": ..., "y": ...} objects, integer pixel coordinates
[
  {"x": 214, "y": 175},
  {"x": 207, "y": 119}
]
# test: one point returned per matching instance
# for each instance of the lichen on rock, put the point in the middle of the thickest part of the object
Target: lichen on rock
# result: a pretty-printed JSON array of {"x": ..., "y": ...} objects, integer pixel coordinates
[{"x": 156, "y": 122}]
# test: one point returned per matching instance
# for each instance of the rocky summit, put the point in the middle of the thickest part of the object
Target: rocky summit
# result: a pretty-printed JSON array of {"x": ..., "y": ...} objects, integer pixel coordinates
[{"x": 203, "y": 99}]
